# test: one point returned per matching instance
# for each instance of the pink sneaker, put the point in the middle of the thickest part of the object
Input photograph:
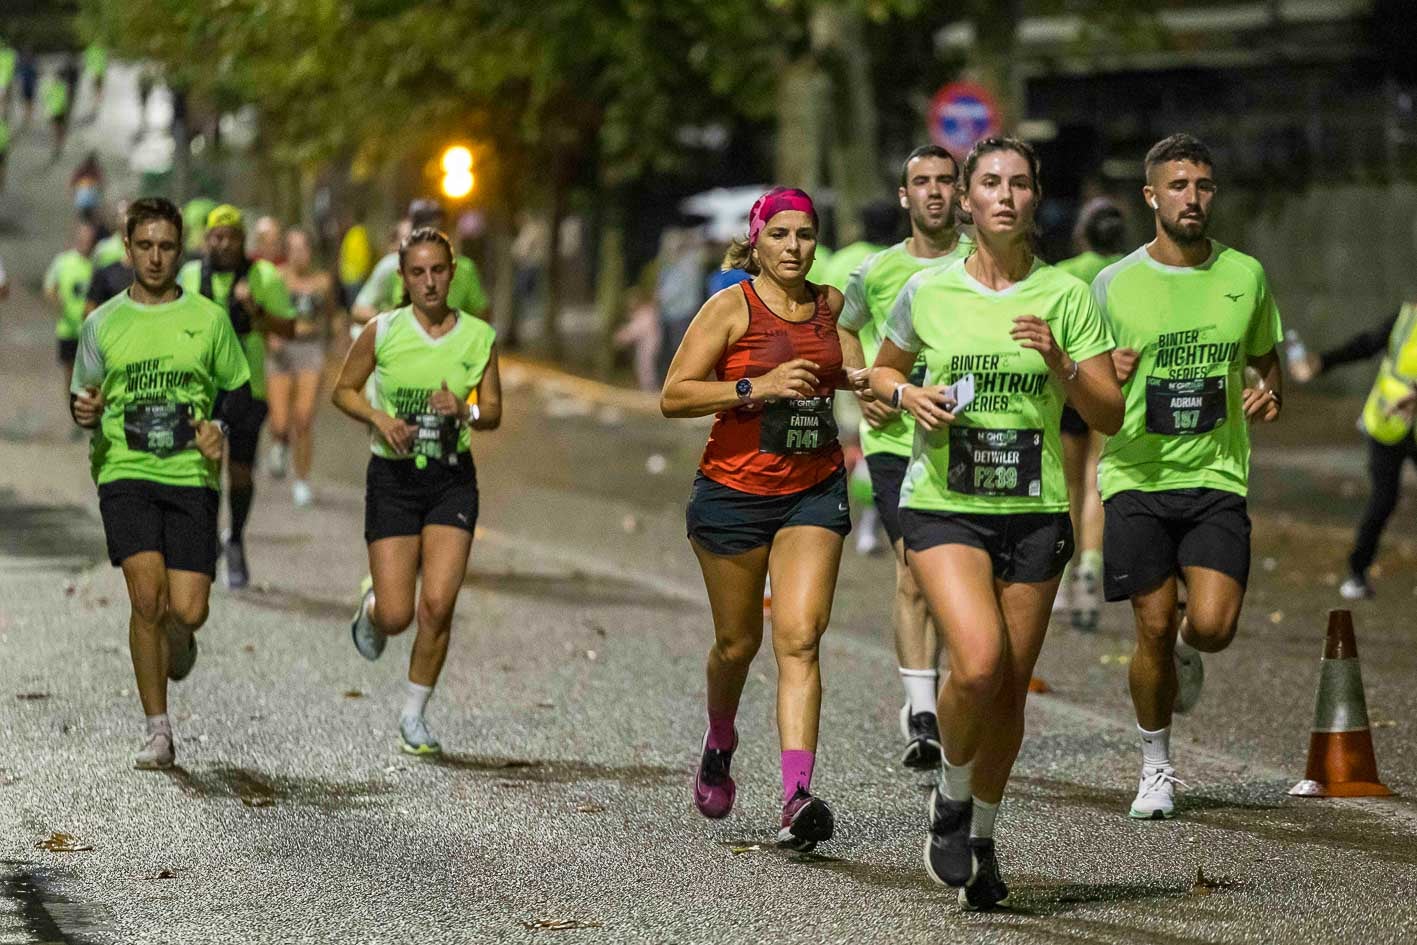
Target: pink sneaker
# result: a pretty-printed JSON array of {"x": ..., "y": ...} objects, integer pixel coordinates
[{"x": 714, "y": 790}]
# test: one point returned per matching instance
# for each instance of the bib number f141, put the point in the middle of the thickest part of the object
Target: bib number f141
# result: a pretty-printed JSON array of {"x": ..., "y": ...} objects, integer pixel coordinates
[
  {"x": 1184, "y": 407},
  {"x": 159, "y": 428},
  {"x": 995, "y": 463},
  {"x": 800, "y": 425}
]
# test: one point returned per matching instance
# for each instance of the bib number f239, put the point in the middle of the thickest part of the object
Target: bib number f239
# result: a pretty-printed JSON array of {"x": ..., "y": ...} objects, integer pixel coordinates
[
  {"x": 434, "y": 437},
  {"x": 995, "y": 463},
  {"x": 159, "y": 428},
  {"x": 1185, "y": 407},
  {"x": 793, "y": 426}
]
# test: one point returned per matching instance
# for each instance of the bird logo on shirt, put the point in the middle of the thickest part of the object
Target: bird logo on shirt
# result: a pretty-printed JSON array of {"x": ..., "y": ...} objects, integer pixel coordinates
[{"x": 1236, "y": 297}]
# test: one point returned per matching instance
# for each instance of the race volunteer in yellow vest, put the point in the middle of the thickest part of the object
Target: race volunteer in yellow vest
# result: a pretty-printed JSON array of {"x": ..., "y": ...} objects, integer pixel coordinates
[{"x": 1387, "y": 423}]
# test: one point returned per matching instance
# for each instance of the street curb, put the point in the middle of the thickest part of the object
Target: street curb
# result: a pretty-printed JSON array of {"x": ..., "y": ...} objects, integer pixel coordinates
[{"x": 517, "y": 369}]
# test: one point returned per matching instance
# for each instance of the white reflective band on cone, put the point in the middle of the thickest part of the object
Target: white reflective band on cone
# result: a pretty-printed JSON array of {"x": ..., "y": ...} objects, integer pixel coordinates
[{"x": 1340, "y": 706}]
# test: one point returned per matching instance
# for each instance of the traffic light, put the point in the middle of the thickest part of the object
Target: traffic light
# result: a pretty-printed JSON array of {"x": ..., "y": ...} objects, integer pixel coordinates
[{"x": 457, "y": 172}]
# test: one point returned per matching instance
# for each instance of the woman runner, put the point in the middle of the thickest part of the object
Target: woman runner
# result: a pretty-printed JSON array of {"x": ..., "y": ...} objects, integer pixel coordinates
[
  {"x": 984, "y": 505},
  {"x": 294, "y": 367},
  {"x": 770, "y": 496},
  {"x": 420, "y": 505}
]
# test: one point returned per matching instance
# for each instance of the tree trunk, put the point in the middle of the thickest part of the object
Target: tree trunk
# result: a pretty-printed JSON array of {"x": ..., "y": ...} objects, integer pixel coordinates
[
  {"x": 609, "y": 282},
  {"x": 504, "y": 278},
  {"x": 551, "y": 327},
  {"x": 801, "y": 87},
  {"x": 838, "y": 35}
]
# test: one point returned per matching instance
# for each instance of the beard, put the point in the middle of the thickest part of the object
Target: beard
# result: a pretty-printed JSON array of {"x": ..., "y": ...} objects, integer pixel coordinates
[
  {"x": 921, "y": 221},
  {"x": 1185, "y": 237}
]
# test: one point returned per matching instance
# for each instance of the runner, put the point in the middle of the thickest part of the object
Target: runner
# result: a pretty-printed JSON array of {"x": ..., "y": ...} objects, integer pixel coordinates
[
  {"x": 57, "y": 101},
  {"x": 8, "y": 58},
  {"x": 1387, "y": 426},
  {"x": 155, "y": 367},
  {"x": 983, "y": 509},
  {"x": 66, "y": 285},
  {"x": 383, "y": 290},
  {"x": 427, "y": 361},
  {"x": 294, "y": 368},
  {"x": 1102, "y": 232},
  {"x": 96, "y": 65},
  {"x": 928, "y": 182},
  {"x": 1188, "y": 315},
  {"x": 770, "y": 496},
  {"x": 257, "y": 301}
]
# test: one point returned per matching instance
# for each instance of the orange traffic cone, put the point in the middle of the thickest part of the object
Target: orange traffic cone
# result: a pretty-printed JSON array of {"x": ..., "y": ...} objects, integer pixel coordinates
[{"x": 1341, "y": 760}]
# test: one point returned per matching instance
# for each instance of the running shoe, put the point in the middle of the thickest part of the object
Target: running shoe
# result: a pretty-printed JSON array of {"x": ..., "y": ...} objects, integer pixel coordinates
[
  {"x": 414, "y": 737},
  {"x": 986, "y": 890},
  {"x": 947, "y": 855},
  {"x": 922, "y": 739},
  {"x": 1156, "y": 794},
  {"x": 714, "y": 789},
  {"x": 1357, "y": 588},
  {"x": 1087, "y": 600},
  {"x": 277, "y": 459},
  {"x": 181, "y": 654},
  {"x": 368, "y": 640},
  {"x": 157, "y": 753},
  {"x": 1190, "y": 677},
  {"x": 806, "y": 822},
  {"x": 237, "y": 576},
  {"x": 301, "y": 495}
]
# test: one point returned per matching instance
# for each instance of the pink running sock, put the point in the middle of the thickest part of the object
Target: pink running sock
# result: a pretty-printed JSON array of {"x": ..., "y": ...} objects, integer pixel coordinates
[
  {"x": 797, "y": 772},
  {"x": 720, "y": 733}
]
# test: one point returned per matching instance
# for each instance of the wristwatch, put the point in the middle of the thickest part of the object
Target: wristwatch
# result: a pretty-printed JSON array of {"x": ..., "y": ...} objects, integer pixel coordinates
[
  {"x": 221, "y": 425},
  {"x": 744, "y": 389},
  {"x": 895, "y": 395}
]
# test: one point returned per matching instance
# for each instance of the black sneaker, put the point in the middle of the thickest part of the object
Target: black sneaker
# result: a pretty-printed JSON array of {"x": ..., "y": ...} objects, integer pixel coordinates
[
  {"x": 986, "y": 890},
  {"x": 922, "y": 740},
  {"x": 181, "y": 654},
  {"x": 806, "y": 821},
  {"x": 947, "y": 854}
]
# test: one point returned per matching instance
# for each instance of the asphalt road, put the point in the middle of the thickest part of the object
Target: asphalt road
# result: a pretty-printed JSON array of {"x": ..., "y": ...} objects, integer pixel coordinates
[{"x": 571, "y": 709}]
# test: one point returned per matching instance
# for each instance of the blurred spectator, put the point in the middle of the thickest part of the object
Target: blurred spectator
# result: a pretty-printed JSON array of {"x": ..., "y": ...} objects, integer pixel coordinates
[
  {"x": 721, "y": 278},
  {"x": 529, "y": 254},
  {"x": 268, "y": 240},
  {"x": 679, "y": 290},
  {"x": 642, "y": 332},
  {"x": 27, "y": 72}
]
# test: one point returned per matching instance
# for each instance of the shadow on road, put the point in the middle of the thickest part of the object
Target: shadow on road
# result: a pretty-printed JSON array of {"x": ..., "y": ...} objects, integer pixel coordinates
[
  {"x": 557, "y": 771},
  {"x": 257, "y": 789}
]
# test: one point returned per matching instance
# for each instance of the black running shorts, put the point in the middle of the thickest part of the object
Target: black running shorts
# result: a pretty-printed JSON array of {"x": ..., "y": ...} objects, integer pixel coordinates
[
  {"x": 178, "y": 522},
  {"x": 401, "y": 499},
  {"x": 725, "y": 521},
  {"x": 887, "y": 473},
  {"x": 1149, "y": 536},
  {"x": 68, "y": 350},
  {"x": 245, "y": 433},
  {"x": 1024, "y": 547},
  {"x": 1072, "y": 423}
]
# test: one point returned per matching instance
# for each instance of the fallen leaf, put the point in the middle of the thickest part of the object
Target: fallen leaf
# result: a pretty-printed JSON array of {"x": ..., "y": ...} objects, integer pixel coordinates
[
  {"x": 249, "y": 648},
  {"x": 258, "y": 800},
  {"x": 592, "y": 655},
  {"x": 353, "y": 694},
  {"x": 102, "y": 601},
  {"x": 7, "y": 778},
  {"x": 31, "y": 696},
  {"x": 739, "y": 850},
  {"x": 559, "y": 925},
  {"x": 161, "y": 874},
  {"x": 62, "y": 843},
  {"x": 1276, "y": 616},
  {"x": 1038, "y": 685},
  {"x": 70, "y": 588},
  {"x": 590, "y": 807},
  {"x": 1205, "y": 885},
  {"x": 546, "y": 705}
]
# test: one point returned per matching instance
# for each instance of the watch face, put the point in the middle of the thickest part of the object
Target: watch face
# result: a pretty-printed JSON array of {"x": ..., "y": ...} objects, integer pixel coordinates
[{"x": 744, "y": 388}]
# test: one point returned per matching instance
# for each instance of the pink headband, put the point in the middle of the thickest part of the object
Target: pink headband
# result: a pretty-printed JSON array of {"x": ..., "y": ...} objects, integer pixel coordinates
[{"x": 774, "y": 202}]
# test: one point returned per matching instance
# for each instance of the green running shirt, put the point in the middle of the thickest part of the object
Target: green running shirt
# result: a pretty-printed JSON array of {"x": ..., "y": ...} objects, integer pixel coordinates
[
  {"x": 870, "y": 293},
  {"x": 1003, "y": 453},
  {"x": 1086, "y": 265},
  {"x": 158, "y": 366},
  {"x": 267, "y": 290},
  {"x": 108, "y": 251},
  {"x": 410, "y": 365},
  {"x": 1194, "y": 329},
  {"x": 68, "y": 276}
]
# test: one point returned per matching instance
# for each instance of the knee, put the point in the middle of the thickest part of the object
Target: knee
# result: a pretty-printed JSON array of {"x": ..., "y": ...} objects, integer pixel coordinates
[
  {"x": 1211, "y": 630},
  {"x": 149, "y": 606},
  {"x": 798, "y": 640},
  {"x": 737, "y": 650},
  {"x": 1156, "y": 629},
  {"x": 978, "y": 680},
  {"x": 435, "y": 612},
  {"x": 391, "y": 620},
  {"x": 191, "y": 614}
]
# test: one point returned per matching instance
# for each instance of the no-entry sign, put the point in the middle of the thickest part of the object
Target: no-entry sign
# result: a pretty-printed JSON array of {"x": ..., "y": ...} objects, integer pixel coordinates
[{"x": 960, "y": 114}]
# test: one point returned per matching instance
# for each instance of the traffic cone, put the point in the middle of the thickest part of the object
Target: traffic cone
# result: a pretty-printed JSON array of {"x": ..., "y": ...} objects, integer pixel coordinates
[{"x": 1341, "y": 760}]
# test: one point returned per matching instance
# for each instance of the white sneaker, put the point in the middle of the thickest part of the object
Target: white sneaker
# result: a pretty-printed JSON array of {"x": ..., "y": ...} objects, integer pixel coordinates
[
  {"x": 367, "y": 638},
  {"x": 414, "y": 737},
  {"x": 277, "y": 458},
  {"x": 1156, "y": 794},
  {"x": 157, "y": 753},
  {"x": 1087, "y": 600},
  {"x": 1356, "y": 588},
  {"x": 1063, "y": 602},
  {"x": 301, "y": 494},
  {"x": 1190, "y": 677}
]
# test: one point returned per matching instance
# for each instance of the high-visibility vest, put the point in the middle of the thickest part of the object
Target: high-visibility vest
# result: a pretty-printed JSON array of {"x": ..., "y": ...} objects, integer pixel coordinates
[{"x": 1396, "y": 375}]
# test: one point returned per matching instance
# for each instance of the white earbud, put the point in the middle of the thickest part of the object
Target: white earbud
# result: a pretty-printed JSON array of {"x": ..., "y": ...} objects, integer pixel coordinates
[{"x": 1154, "y": 205}]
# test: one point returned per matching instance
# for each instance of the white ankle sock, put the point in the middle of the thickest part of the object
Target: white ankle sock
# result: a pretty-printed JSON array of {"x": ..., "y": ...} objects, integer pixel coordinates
[
  {"x": 417, "y": 700},
  {"x": 981, "y": 822},
  {"x": 1155, "y": 747},
  {"x": 921, "y": 689},
  {"x": 158, "y": 723},
  {"x": 955, "y": 780}
]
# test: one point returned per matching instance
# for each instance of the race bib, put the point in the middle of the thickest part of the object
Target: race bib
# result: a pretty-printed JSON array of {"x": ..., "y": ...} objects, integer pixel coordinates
[
  {"x": 996, "y": 462},
  {"x": 159, "y": 428},
  {"x": 794, "y": 426},
  {"x": 435, "y": 436},
  {"x": 1184, "y": 407}
]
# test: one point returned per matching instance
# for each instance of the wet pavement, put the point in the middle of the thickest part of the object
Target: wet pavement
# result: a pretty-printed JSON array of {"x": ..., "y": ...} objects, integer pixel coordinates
[{"x": 571, "y": 710}]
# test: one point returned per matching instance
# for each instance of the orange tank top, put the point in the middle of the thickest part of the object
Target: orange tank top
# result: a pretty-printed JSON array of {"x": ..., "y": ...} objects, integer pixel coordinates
[{"x": 789, "y": 445}]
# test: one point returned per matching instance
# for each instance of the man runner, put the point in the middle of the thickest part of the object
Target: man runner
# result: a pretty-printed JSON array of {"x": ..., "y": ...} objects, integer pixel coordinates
[
  {"x": 156, "y": 366},
  {"x": 66, "y": 286},
  {"x": 1189, "y": 315},
  {"x": 257, "y": 302},
  {"x": 928, "y": 192}
]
